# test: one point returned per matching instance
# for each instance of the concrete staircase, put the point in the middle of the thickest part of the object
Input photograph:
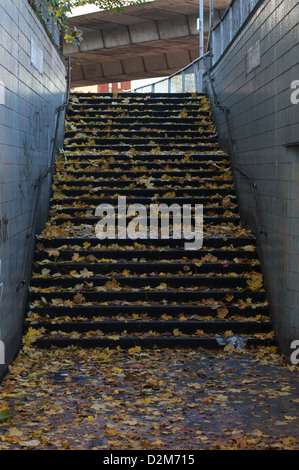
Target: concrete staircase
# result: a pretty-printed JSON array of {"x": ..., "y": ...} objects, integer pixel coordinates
[{"x": 144, "y": 292}]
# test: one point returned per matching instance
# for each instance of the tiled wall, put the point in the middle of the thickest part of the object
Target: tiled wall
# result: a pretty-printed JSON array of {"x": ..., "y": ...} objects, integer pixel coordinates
[
  {"x": 253, "y": 80},
  {"x": 32, "y": 86}
]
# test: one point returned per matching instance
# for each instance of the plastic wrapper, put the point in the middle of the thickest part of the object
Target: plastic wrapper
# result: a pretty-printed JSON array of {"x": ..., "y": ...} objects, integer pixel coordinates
[{"x": 237, "y": 341}]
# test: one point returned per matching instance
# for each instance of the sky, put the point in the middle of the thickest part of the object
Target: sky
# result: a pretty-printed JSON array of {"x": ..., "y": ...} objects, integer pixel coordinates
[
  {"x": 84, "y": 10},
  {"x": 88, "y": 9}
]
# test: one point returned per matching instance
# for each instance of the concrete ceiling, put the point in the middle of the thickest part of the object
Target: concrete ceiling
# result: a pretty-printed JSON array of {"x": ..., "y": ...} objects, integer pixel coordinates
[{"x": 152, "y": 40}]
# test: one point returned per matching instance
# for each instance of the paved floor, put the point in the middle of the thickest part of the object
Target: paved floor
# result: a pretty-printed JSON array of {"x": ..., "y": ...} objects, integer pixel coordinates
[{"x": 149, "y": 400}]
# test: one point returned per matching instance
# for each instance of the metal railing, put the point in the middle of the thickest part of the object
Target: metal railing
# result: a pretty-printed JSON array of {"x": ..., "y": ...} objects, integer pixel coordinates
[
  {"x": 38, "y": 184},
  {"x": 190, "y": 79},
  {"x": 187, "y": 79},
  {"x": 232, "y": 152}
]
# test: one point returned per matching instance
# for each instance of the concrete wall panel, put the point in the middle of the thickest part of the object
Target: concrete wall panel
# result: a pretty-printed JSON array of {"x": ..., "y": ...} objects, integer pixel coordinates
[
  {"x": 264, "y": 121},
  {"x": 33, "y": 85}
]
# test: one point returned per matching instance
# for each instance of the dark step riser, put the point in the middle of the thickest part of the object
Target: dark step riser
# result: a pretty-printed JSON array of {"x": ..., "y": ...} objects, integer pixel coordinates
[
  {"x": 196, "y": 158},
  {"x": 198, "y": 192},
  {"x": 139, "y": 135},
  {"x": 141, "y": 120},
  {"x": 125, "y": 147},
  {"x": 176, "y": 244},
  {"x": 186, "y": 343},
  {"x": 140, "y": 128},
  {"x": 195, "y": 169},
  {"x": 153, "y": 282},
  {"x": 92, "y": 201},
  {"x": 153, "y": 296},
  {"x": 185, "y": 327},
  {"x": 103, "y": 112},
  {"x": 157, "y": 176},
  {"x": 131, "y": 260},
  {"x": 170, "y": 141},
  {"x": 157, "y": 184},
  {"x": 146, "y": 222}
]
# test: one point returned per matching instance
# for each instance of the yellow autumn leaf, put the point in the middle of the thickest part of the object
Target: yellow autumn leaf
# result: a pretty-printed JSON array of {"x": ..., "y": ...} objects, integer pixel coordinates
[
  {"x": 135, "y": 350},
  {"x": 45, "y": 272},
  {"x": 74, "y": 273},
  {"x": 159, "y": 442},
  {"x": 86, "y": 274},
  {"x": 53, "y": 252},
  {"x": 255, "y": 282},
  {"x": 176, "y": 332},
  {"x": 222, "y": 312}
]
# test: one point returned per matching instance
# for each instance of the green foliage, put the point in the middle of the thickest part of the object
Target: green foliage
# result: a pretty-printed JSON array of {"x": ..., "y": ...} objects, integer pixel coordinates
[
  {"x": 5, "y": 416},
  {"x": 60, "y": 10}
]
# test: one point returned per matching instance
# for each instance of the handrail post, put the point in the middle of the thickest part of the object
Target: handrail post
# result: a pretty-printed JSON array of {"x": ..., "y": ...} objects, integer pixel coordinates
[
  {"x": 235, "y": 165},
  {"x": 201, "y": 28},
  {"x": 38, "y": 184},
  {"x": 211, "y": 14}
]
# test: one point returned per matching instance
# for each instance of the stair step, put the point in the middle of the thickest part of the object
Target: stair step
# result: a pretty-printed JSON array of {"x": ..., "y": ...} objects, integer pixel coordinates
[
  {"x": 160, "y": 326},
  {"x": 157, "y": 192},
  {"x": 169, "y": 157},
  {"x": 144, "y": 342},
  {"x": 144, "y": 311},
  {"x": 170, "y": 295},
  {"x": 98, "y": 131},
  {"x": 156, "y": 176},
  {"x": 137, "y": 282},
  {"x": 223, "y": 243}
]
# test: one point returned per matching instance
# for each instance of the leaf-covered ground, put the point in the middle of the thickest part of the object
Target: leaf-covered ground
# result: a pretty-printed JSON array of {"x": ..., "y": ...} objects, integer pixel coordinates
[{"x": 74, "y": 399}]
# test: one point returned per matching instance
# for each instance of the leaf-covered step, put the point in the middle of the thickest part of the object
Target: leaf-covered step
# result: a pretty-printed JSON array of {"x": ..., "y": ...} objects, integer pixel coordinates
[
  {"x": 216, "y": 223},
  {"x": 125, "y": 146},
  {"x": 152, "y": 111},
  {"x": 138, "y": 282},
  {"x": 217, "y": 274},
  {"x": 146, "y": 311},
  {"x": 149, "y": 246},
  {"x": 153, "y": 256},
  {"x": 143, "y": 177},
  {"x": 157, "y": 169},
  {"x": 138, "y": 137},
  {"x": 70, "y": 188},
  {"x": 91, "y": 201},
  {"x": 88, "y": 210},
  {"x": 134, "y": 105},
  {"x": 154, "y": 155},
  {"x": 137, "y": 95},
  {"x": 159, "y": 342},
  {"x": 128, "y": 120},
  {"x": 72, "y": 127}
]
